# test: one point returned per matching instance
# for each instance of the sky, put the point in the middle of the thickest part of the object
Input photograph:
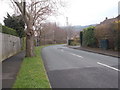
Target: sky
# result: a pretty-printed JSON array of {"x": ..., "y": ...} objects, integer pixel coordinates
[{"x": 79, "y": 12}]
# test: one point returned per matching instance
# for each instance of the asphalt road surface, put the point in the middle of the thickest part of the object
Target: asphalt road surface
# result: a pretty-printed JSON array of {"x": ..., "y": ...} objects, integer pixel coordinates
[{"x": 70, "y": 68}]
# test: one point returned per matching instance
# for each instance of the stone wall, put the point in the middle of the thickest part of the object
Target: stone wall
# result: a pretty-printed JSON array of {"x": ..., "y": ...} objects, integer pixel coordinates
[{"x": 10, "y": 45}]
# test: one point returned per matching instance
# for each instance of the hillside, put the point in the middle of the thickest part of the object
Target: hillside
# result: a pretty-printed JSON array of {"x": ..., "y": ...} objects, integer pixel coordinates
[{"x": 78, "y": 27}]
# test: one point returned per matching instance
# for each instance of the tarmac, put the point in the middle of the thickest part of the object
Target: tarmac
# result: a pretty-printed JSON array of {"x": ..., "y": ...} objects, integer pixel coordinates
[
  {"x": 11, "y": 66},
  {"x": 10, "y": 69}
]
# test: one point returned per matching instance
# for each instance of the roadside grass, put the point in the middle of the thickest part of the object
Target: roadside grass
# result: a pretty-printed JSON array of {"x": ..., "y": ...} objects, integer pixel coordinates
[{"x": 32, "y": 73}]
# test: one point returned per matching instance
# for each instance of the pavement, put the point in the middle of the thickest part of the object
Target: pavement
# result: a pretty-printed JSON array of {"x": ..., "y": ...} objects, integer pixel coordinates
[
  {"x": 72, "y": 68},
  {"x": 10, "y": 69},
  {"x": 108, "y": 52}
]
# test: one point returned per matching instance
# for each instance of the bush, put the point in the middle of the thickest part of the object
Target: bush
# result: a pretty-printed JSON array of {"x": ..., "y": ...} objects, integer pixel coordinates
[
  {"x": 17, "y": 23},
  {"x": 70, "y": 42},
  {"x": 23, "y": 43},
  {"x": 109, "y": 29},
  {"x": 117, "y": 44},
  {"x": 7, "y": 30},
  {"x": 117, "y": 41},
  {"x": 117, "y": 35},
  {"x": 89, "y": 37},
  {"x": 81, "y": 37},
  {"x": 73, "y": 42}
]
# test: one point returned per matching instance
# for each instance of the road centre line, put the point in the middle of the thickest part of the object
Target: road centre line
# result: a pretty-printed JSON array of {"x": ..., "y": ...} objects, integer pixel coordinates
[
  {"x": 108, "y": 66},
  {"x": 73, "y": 54},
  {"x": 76, "y": 55},
  {"x": 62, "y": 50}
]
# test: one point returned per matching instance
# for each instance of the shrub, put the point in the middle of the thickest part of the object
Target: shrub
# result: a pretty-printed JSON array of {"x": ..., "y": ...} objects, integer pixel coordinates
[
  {"x": 116, "y": 33},
  {"x": 23, "y": 43},
  {"x": 81, "y": 37},
  {"x": 117, "y": 44},
  {"x": 8, "y": 30},
  {"x": 89, "y": 37},
  {"x": 17, "y": 23},
  {"x": 70, "y": 42},
  {"x": 109, "y": 29},
  {"x": 73, "y": 42}
]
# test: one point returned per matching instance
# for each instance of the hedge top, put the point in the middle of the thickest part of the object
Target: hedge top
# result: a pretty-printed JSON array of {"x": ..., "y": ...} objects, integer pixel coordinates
[{"x": 7, "y": 30}]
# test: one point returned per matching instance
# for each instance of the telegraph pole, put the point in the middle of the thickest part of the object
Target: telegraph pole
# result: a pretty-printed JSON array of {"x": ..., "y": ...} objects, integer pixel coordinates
[
  {"x": 54, "y": 32},
  {"x": 24, "y": 6},
  {"x": 67, "y": 29}
]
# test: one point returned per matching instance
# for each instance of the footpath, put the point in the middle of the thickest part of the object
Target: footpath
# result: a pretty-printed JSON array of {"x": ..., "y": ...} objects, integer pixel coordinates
[
  {"x": 10, "y": 69},
  {"x": 98, "y": 50}
]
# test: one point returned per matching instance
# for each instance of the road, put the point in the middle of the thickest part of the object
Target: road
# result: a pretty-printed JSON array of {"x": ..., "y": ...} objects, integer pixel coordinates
[{"x": 70, "y": 68}]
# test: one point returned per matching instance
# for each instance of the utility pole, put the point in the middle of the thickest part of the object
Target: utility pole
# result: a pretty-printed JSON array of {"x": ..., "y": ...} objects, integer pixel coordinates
[
  {"x": 54, "y": 32},
  {"x": 53, "y": 35},
  {"x": 24, "y": 6},
  {"x": 67, "y": 29}
]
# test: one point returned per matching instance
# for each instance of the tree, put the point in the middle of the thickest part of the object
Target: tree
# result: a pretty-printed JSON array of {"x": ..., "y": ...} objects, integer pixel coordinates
[
  {"x": 17, "y": 23},
  {"x": 53, "y": 33},
  {"x": 32, "y": 12},
  {"x": 50, "y": 33}
]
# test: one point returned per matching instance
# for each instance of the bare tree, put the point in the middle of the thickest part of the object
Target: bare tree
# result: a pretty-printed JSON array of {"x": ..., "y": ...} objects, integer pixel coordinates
[
  {"x": 34, "y": 12},
  {"x": 52, "y": 33}
]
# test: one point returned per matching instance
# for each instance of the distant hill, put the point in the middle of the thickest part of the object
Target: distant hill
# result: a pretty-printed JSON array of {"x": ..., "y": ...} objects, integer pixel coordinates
[{"x": 79, "y": 27}]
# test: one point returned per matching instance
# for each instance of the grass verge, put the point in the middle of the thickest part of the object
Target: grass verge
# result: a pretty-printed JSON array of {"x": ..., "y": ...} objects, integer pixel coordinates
[{"x": 32, "y": 73}]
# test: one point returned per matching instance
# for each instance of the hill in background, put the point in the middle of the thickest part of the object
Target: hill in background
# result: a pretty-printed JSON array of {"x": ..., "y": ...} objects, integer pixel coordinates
[{"x": 78, "y": 28}]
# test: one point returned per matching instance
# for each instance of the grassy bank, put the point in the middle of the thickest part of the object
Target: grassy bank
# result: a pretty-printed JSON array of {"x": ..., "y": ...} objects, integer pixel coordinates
[{"x": 32, "y": 73}]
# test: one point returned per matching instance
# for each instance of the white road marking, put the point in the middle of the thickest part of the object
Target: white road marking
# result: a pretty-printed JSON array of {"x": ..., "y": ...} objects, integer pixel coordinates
[
  {"x": 64, "y": 47},
  {"x": 73, "y": 54},
  {"x": 62, "y": 50},
  {"x": 76, "y": 55},
  {"x": 108, "y": 66}
]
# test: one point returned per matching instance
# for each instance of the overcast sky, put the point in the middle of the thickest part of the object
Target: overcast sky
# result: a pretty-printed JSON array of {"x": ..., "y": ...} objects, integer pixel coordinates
[{"x": 79, "y": 12}]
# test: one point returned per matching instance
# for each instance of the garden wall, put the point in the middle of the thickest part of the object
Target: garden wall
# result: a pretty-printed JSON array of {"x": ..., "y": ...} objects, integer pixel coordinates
[{"x": 10, "y": 45}]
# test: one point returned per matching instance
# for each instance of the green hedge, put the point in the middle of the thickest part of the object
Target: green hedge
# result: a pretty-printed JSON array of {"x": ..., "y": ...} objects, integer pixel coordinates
[
  {"x": 89, "y": 37},
  {"x": 8, "y": 30},
  {"x": 23, "y": 42},
  {"x": 81, "y": 37},
  {"x": 73, "y": 42}
]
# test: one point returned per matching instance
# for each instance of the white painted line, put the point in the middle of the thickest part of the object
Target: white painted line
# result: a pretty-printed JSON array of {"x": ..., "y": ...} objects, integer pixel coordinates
[
  {"x": 108, "y": 66},
  {"x": 76, "y": 55},
  {"x": 62, "y": 50},
  {"x": 64, "y": 47}
]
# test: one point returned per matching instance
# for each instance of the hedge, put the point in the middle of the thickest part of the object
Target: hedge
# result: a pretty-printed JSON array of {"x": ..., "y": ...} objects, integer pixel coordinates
[
  {"x": 7, "y": 30},
  {"x": 81, "y": 37},
  {"x": 88, "y": 37}
]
